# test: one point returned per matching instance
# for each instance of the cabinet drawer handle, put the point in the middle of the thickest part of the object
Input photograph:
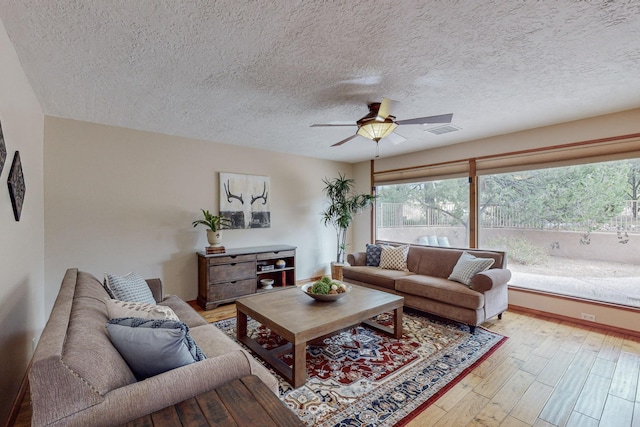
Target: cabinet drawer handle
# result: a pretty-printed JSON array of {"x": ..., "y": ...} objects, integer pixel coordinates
[{"x": 234, "y": 282}]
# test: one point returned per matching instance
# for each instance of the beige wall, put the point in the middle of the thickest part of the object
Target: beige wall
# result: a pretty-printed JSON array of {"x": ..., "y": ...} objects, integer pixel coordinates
[
  {"x": 120, "y": 200},
  {"x": 21, "y": 243}
]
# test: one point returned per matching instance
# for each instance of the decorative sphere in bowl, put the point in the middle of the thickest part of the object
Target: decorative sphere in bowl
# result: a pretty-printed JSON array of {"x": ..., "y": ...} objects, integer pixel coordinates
[{"x": 325, "y": 297}]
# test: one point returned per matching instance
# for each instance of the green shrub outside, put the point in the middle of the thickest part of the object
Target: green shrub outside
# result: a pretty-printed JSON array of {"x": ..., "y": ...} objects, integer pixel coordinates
[{"x": 519, "y": 250}]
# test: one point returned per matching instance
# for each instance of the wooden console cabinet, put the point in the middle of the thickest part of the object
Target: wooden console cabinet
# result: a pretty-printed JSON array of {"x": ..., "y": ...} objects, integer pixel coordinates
[{"x": 224, "y": 277}]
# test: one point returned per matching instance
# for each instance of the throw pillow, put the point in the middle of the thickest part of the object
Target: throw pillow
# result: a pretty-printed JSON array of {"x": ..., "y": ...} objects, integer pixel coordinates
[
  {"x": 468, "y": 266},
  {"x": 373, "y": 255},
  {"x": 130, "y": 287},
  {"x": 117, "y": 308},
  {"x": 151, "y": 347},
  {"x": 394, "y": 258}
]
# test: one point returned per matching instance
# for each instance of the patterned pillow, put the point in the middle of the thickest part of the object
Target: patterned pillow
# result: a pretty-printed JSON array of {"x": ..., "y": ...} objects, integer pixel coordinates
[
  {"x": 468, "y": 266},
  {"x": 394, "y": 258},
  {"x": 151, "y": 347},
  {"x": 130, "y": 287},
  {"x": 117, "y": 308},
  {"x": 373, "y": 255}
]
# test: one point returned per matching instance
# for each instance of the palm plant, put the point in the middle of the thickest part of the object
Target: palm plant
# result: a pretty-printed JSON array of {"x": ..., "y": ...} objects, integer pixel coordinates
[{"x": 343, "y": 205}]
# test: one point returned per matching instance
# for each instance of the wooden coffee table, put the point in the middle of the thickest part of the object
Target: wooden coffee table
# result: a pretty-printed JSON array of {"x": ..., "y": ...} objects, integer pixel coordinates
[{"x": 298, "y": 318}]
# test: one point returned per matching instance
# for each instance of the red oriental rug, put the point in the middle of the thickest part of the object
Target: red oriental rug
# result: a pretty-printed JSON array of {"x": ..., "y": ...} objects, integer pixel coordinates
[{"x": 359, "y": 377}]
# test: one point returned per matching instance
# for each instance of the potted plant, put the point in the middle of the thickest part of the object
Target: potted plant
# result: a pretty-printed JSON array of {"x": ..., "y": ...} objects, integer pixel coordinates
[
  {"x": 215, "y": 224},
  {"x": 343, "y": 205}
]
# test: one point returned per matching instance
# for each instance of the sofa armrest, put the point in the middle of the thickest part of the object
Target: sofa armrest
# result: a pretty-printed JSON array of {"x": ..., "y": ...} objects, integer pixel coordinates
[
  {"x": 166, "y": 389},
  {"x": 357, "y": 258},
  {"x": 156, "y": 289},
  {"x": 490, "y": 279}
]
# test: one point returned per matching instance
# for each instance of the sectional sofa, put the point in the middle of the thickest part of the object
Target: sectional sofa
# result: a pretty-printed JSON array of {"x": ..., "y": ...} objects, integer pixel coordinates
[
  {"x": 78, "y": 377},
  {"x": 425, "y": 285}
]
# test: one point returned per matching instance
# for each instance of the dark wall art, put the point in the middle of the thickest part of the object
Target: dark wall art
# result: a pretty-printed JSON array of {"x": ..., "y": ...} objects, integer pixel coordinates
[
  {"x": 3, "y": 150},
  {"x": 16, "y": 186},
  {"x": 245, "y": 200}
]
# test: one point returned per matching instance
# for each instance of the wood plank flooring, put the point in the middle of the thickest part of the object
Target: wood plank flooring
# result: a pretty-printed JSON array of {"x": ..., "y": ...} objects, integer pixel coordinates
[{"x": 549, "y": 373}]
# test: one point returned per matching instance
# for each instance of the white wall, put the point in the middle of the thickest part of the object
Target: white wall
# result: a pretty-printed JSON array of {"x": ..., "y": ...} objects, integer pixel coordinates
[
  {"x": 21, "y": 243},
  {"x": 120, "y": 200}
]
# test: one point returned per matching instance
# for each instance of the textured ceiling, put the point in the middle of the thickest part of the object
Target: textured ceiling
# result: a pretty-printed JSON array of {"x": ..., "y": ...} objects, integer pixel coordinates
[{"x": 259, "y": 73}]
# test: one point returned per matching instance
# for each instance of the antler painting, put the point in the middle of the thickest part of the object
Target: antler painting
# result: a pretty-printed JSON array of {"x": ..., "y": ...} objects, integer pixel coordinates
[{"x": 244, "y": 200}]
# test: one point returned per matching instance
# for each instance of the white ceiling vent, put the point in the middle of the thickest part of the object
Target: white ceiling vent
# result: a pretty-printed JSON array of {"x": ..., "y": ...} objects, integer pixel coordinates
[{"x": 443, "y": 129}]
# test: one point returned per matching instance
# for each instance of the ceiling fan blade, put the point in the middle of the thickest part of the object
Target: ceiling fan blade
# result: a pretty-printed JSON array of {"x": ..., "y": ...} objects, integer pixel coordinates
[
  {"x": 345, "y": 140},
  {"x": 386, "y": 106},
  {"x": 316, "y": 125},
  {"x": 395, "y": 138},
  {"x": 443, "y": 118}
]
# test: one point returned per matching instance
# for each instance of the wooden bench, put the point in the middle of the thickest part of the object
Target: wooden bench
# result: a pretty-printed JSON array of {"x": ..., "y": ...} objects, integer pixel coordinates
[{"x": 243, "y": 402}]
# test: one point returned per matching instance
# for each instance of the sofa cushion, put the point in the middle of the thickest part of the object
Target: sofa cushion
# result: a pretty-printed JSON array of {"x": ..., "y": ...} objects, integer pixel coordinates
[
  {"x": 373, "y": 275},
  {"x": 394, "y": 258},
  {"x": 184, "y": 311},
  {"x": 153, "y": 346},
  {"x": 468, "y": 266},
  {"x": 442, "y": 290},
  {"x": 117, "y": 308},
  {"x": 130, "y": 287},
  {"x": 373, "y": 254}
]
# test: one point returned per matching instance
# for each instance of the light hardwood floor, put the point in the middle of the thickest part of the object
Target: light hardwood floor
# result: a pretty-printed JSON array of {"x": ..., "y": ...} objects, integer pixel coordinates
[{"x": 549, "y": 373}]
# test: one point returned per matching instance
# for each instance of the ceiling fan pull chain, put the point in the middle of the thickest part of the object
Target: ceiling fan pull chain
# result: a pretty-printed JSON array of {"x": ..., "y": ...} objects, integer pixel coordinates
[{"x": 377, "y": 149}]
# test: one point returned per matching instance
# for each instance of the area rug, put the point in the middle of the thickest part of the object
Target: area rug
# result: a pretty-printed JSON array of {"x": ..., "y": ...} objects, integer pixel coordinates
[{"x": 359, "y": 377}]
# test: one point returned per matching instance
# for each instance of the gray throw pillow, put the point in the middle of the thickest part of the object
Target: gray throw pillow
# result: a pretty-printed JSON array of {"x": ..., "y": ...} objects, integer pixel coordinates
[
  {"x": 153, "y": 346},
  {"x": 468, "y": 266},
  {"x": 130, "y": 287}
]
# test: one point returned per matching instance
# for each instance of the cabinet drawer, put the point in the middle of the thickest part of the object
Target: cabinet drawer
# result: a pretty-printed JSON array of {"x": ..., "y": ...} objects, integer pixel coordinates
[
  {"x": 232, "y": 271},
  {"x": 275, "y": 255},
  {"x": 234, "y": 289},
  {"x": 231, "y": 258}
]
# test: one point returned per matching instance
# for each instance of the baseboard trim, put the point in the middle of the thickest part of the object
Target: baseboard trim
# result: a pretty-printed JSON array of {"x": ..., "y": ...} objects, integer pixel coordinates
[
  {"x": 17, "y": 402},
  {"x": 585, "y": 323}
]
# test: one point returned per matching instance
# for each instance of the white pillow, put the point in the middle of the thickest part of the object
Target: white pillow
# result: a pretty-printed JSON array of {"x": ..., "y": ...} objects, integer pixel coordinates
[
  {"x": 130, "y": 287},
  {"x": 117, "y": 308},
  {"x": 468, "y": 266},
  {"x": 394, "y": 258}
]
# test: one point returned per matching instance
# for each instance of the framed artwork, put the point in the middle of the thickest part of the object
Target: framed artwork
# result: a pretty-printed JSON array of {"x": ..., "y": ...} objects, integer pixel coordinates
[
  {"x": 3, "y": 150},
  {"x": 16, "y": 186},
  {"x": 245, "y": 200}
]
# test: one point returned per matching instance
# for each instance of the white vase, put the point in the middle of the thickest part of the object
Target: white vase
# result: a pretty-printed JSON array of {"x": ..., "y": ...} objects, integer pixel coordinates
[{"x": 214, "y": 237}]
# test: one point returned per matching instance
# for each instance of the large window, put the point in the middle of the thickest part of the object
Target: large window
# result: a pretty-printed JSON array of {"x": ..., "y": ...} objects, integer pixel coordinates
[
  {"x": 430, "y": 212},
  {"x": 570, "y": 230}
]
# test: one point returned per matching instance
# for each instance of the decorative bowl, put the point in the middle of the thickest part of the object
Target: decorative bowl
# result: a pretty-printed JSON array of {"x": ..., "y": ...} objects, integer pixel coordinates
[
  {"x": 266, "y": 283},
  {"x": 324, "y": 297}
]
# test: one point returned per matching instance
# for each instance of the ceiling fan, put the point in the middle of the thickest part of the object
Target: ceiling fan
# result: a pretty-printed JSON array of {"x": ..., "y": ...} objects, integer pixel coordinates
[{"x": 379, "y": 123}]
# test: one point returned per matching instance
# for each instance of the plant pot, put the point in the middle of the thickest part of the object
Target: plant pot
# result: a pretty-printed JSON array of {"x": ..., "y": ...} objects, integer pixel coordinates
[
  {"x": 336, "y": 270},
  {"x": 214, "y": 237}
]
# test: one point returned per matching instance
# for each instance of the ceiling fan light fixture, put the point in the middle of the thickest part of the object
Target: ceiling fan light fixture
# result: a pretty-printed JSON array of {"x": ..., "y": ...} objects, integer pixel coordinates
[{"x": 376, "y": 130}]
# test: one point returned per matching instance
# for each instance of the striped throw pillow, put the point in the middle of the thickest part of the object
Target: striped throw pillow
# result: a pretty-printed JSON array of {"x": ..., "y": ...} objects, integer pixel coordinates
[{"x": 130, "y": 287}]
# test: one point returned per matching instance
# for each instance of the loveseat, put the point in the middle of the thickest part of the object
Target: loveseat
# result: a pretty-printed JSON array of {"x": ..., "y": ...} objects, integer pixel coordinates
[
  {"x": 78, "y": 378},
  {"x": 425, "y": 284}
]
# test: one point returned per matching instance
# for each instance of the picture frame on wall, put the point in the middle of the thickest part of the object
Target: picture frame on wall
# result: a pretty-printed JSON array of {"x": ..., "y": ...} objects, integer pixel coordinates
[
  {"x": 3, "y": 150},
  {"x": 16, "y": 185},
  {"x": 245, "y": 200}
]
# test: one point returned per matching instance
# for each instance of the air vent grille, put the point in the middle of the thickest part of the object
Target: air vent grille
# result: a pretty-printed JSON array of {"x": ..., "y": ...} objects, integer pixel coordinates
[{"x": 443, "y": 129}]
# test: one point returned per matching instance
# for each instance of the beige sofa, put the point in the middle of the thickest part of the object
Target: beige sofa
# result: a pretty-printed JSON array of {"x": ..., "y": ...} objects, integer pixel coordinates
[
  {"x": 425, "y": 286},
  {"x": 78, "y": 378}
]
